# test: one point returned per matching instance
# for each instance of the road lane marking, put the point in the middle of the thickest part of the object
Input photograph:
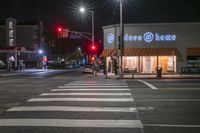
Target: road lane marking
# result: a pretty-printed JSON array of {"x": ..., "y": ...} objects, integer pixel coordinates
[
  {"x": 78, "y": 86},
  {"x": 168, "y": 125},
  {"x": 180, "y": 88},
  {"x": 81, "y": 99},
  {"x": 90, "y": 90},
  {"x": 72, "y": 123},
  {"x": 72, "y": 108},
  {"x": 148, "y": 84},
  {"x": 169, "y": 100},
  {"x": 94, "y": 84},
  {"x": 85, "y": 94}
]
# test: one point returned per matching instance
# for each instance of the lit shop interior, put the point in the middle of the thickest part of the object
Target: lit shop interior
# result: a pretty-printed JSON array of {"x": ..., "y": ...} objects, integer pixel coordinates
[{"x": 144, "y": 64}]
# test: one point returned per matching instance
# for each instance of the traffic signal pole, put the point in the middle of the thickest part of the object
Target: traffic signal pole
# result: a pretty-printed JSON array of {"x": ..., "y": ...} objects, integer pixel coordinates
[
  {"x": 92, "y": 39},
  {"x": 121, "y": 44}
]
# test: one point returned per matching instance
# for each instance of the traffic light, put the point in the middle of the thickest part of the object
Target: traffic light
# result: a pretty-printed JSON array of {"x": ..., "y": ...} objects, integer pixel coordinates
[
  {"x": 93, "y": 58},
  {"x": 119, "y": 42},
  {"x": 45, "y": 59},
  {"x": 93, "y": 47},
  {"x": 59, "y": 31}
]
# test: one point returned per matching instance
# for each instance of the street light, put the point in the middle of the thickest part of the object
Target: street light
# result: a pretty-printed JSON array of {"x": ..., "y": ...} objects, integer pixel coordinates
[
  {"x": 42, "y": 52},
  {"x": 82, "y": 10}
]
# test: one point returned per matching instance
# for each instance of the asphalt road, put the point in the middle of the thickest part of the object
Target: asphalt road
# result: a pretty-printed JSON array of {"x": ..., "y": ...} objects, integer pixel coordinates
[
  {"x": 69, "y": 101},
  {"x": 173, "y": 106},
  {"x": 17, "y": 87},
  {"x": 66, "y": 101}
]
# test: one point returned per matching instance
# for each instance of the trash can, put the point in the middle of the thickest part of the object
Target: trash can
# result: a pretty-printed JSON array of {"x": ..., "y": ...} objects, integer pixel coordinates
[{"x": 159, "y": 72}]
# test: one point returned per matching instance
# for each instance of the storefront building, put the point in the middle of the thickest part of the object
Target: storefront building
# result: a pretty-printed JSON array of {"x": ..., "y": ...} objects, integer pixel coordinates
[
  {"x": 170, "y": 46},
  {"x": 19, "y": 43}
]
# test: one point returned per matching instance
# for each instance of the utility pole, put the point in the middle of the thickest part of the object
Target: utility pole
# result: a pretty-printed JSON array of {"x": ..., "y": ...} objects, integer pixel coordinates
[{"x": 120, "y": 59}]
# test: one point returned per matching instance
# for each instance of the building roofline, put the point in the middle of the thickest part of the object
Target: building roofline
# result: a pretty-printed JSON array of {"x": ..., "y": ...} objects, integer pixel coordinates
[
  {"x": 150, "y": 24},
  {"x": 26, "y": 25}
]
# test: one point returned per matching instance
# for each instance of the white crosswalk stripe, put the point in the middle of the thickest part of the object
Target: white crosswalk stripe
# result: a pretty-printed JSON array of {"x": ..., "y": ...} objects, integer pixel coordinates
[
  {"x": 92, "y": 86},
  {"x": 73, "y": 84},
  {"x": 72, "y": 123},
  {"x": 72, "y": 108},
  {"x": 88, "y": 94},
  {"x": 90, "y": 90},
  {"x": 82, "y": 99},
  {"x": 82, "y": 92}
]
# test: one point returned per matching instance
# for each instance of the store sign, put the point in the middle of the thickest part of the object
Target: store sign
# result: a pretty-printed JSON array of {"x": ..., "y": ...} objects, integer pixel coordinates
[
  {"x": 150, "y": 37},
  {"x": 110, "y": 38},
  {"x": 147, "y": 37}
]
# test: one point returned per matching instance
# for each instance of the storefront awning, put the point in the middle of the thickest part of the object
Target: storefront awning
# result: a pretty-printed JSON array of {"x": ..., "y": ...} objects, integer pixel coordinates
[
  {"x": 193, "y": 51},
  {"x": 142, "y": 52},
  {"x": 109, "y": 52},
  {"x": 16, "y": 50}
]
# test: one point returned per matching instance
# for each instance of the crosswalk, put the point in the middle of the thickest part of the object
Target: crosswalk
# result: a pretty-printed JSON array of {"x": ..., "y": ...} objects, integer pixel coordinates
[{"x": 81, "y": 106}]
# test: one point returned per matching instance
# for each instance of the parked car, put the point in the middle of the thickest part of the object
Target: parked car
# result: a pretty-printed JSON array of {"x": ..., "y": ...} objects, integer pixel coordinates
[
  {"x": 87, "y": 68},
  {"x": 69, "y": 66},
  {"x": 76, "y": 66},
  {"x": 2, "y": 65}
]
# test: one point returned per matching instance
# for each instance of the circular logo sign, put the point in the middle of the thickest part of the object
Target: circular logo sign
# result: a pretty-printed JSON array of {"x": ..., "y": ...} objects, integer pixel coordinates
[
  {"x": 148, "y": 37},
  {"x": 110, "y": 38}
]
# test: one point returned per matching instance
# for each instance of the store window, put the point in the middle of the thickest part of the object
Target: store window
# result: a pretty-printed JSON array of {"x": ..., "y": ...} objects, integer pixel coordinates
[
  {"x": 193, "y": 61},
  {"x": 11, "y": 42},
  {"x": 148, "y": 64},
  {"x": 168, "y": 63},
  {"x": 10, "y": 25},
  {"x": 10, "y": 33},
  {"x": 34, "y": 33},
  {"x": 130, "y": 63}
]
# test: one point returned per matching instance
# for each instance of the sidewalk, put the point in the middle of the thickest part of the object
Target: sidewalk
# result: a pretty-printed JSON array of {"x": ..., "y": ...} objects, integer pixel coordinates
[
  {"x": 5, "y": 72},
  {"x": 151, "y": 76},
  {"x": 24, "y": 70}
]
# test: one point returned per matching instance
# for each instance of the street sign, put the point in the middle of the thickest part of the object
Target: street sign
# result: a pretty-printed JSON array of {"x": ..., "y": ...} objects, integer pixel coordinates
[{"x": 65, "y": 33}]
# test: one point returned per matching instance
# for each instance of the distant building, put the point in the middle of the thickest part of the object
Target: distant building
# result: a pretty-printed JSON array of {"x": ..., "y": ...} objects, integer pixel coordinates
[
  {"x": 172, "y": 46},
  {"x": 20, "y": 41}
]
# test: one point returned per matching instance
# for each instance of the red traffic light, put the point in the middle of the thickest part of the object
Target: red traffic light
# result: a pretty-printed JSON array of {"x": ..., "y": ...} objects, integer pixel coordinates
[
  {"x": 93, "y": 58},
  {"x": 59, "y": 29},
  {"x": 45, "y": 59},
  {"x": 93, "y": 47}
]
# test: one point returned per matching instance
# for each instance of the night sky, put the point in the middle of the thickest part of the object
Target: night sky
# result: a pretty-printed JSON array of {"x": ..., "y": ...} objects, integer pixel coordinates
[{"x": 65, "y": 12}]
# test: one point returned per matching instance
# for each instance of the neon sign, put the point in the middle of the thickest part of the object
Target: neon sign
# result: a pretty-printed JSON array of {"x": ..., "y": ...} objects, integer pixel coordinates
[
  {"x": 110, "y": 38},
  {"x": 150, "y": 37}
]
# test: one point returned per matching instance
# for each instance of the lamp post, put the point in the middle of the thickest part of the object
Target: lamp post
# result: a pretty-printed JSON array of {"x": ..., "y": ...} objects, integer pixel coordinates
[
  {"x": 120, "y": 56},
  {"x": 82, "y": 10}
]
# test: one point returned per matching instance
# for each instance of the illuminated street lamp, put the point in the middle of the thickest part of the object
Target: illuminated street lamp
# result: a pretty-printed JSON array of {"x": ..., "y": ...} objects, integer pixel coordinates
[
  {"x": 42, "y": 52},
  {"x": 82, "y": 10}
]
